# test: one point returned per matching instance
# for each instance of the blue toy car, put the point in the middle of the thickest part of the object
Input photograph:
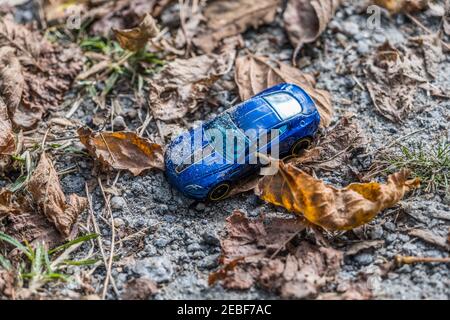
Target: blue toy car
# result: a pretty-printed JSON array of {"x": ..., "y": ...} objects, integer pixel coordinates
[{"x": 205, "y": 163}]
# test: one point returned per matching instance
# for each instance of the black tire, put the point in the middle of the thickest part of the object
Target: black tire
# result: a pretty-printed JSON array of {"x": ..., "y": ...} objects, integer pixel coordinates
[
  {"x": 300, "y": 145},
  {"x": 219, "y": 192}
]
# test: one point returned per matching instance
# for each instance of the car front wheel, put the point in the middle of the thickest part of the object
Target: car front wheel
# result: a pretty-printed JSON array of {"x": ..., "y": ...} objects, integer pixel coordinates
[
  {"x": 300, "y": 145},
  {"x": 220, "y": 191}
]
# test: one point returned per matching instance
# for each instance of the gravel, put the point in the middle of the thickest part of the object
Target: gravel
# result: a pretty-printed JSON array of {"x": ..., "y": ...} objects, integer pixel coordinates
[{"x": 181, "y": 246}]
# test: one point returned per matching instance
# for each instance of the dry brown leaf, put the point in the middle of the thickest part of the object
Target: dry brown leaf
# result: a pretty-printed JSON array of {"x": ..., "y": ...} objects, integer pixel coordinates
[
  {"x": 254, "y": 74},
  {"x": 23, "y": 222},
  {"x": 47, "y": 193},
  {"x": 121, "y": 14},
  {"x": 305, "y": 20},
  {"x": 362, "y": 245},
  {"x": 330, "y": 207},
  {"x": 232, "y": 17},
  {"x": 139, "y": 289},
  {"x": 122, "y": 150},
  {"x": 336, "y": 149},
  {"x": 7, "y": 141},
  {"x": 178, "y": 88},
  {"x": 38, "y": 82},
  {"x": 430, "y": 237},
  {"x": 248, "y": 258},
  {"x": 392, "y": 80},
  {"x": 396, "y": 6},
  {"x": 7, "y": 284},
  {"x": 431, "y": 48},
  {"x": 136, "y": 38}
]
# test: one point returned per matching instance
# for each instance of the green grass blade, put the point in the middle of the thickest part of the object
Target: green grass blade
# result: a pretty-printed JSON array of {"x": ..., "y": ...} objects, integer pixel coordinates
[
  {"x": 4, "y": 237},
  {"x": 84, "y": 238}
]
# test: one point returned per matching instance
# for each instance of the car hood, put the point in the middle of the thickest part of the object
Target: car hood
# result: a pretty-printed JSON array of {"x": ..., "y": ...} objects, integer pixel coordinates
[{"x": 189, "y": 144}]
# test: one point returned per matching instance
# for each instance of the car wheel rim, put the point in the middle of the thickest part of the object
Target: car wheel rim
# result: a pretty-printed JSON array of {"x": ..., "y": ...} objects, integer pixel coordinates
[
  {"x": 300, "y": 146},
  {"x": 219, "y": 192}
]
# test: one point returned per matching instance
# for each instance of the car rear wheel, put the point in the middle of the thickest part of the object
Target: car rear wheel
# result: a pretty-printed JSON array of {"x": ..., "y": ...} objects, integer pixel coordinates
[
  {"x": 300, "y": 145},
  {"x": 219, "y": 192}
]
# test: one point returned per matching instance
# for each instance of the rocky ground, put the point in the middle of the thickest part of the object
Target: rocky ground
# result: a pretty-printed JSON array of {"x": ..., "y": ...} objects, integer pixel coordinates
[{"x": 179, "y": 243}]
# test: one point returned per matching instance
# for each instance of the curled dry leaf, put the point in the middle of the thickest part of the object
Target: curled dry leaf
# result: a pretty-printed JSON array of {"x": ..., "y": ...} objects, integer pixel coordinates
[
  {"x": 396, "y": 6},
  {"x": 121, "y": 14},
  {"x": 254, "y": 74},
  {"x": 330, "y": 207},
  {"x": 250, "y": 255},
  {"x": 178, "y": 88},
  {"x": 136, "y": 38},
  {"x": 229, "y": 18},
  {"x": 122, "y": 150},
  {"x": 34, "y": 74},
  {"x": 393, "y": 77},
  {"x": 305, "y": 20},
  {"x": 7, "y": 141},
  {"x": 335, "y": 149},
  {"x": 47, "y": 193}
]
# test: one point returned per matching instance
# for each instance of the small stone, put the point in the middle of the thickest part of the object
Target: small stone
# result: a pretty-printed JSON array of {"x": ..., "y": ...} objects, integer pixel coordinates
[
  {"x": 209, "y": 262},
  {"x": 390, "y": 226},
  {"x": 119, "y": 123},
  {"x": 376, "y": 232},
  {"x": 118, "y": 222},
  {"x": 403, "y": 237},
  {"x": 118, "y": 203},
  {"x": 161, "y": 242},
  {"x": 364, "y": 259},
  {"x": 193, "y": 247},
  {"x": 391, "y": 237},
  {"x": 200, "y": 206},
  {"x": 363, "y": 47},
  {"x": 158, "y": 269},
  {"x": 210, "y": 238},
  {"x": 350, "y": 28}
]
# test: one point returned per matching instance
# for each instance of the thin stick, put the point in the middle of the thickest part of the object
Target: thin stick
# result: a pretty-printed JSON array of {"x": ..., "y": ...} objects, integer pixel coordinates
[
  {"x": 401, "y": 260},
  {"x": 420, "y": 25},
  {"x": 113, "y": 234},
  {"x": 99, "y": 241}
]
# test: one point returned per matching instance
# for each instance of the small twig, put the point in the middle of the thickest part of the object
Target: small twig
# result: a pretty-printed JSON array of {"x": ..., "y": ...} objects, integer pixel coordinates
[
  {"x": 107, "y": 199},
  {"x": 401, "y": 260},
  {"x": 420, "y": 25},
  {"x": 107, "y": 146},
  {"x": 99, "y": 241}
]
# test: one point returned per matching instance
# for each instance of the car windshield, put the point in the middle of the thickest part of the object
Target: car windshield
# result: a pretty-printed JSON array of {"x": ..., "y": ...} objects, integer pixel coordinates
[
  {"x": 284, "y": 104},
  {"x": 225, "y": 137}
]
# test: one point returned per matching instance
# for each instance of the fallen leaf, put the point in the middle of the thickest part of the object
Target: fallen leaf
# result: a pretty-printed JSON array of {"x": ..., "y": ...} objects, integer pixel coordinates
[
  {"x": 305, "y": 20},
  {"x": 335, "y": 149},
  {"x": 7, "y": 141},
  {"x": 23, "y": 222},
  {"x": 431, "y": 48},
  {"x": 183, "y": 83},
  {"x": 362, "y": 245},
  {"x": 248, "y": 258},
  {"x": 35, "y": 74},
  {"x": 393, "y": 77},
  {"x": 60, "y": 10},
  {"x": 47, "y": 193},
  {"x": 229, "y": 18},
  {"x": 121, "y": 14},
  {"x": 254, "y": 74},
  {"x": 7, "y": 284},
  {"x": 122, "y": 150},
  {"x": 136, "y": 38},
  {"x": 396, "y": 6},
  {"x": 430, "y": 237},
  {"x": 139, "y": 289},
  {"x": 330, "y": 207}
]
